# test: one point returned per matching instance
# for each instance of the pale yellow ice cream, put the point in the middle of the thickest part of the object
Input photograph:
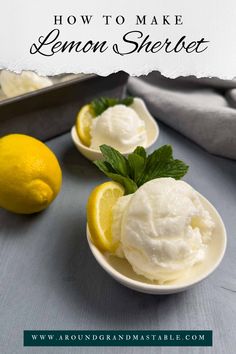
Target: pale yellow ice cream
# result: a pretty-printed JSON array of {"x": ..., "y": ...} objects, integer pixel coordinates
[
  {"x": 120, "y": 127},
  {"x": 162, "y": 229},
  {"x": 13, "y": 84}
]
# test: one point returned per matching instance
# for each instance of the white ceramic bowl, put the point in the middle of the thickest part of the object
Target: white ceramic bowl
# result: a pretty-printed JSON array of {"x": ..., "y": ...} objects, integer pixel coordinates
[
  {"x": 151, "y": 125},
  {"x": 122, "y": 271}
]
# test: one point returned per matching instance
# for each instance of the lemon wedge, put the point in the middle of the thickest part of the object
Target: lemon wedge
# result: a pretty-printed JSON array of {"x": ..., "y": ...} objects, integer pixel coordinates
[
  {"x": 83, "y": 124},
  {"x": 99, "y": 214}
]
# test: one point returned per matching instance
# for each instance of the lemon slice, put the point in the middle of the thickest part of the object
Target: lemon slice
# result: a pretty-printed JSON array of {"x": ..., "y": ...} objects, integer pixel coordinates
[
  {"x": 99, "y": 214},
  {"x": 83, "y": 124}
]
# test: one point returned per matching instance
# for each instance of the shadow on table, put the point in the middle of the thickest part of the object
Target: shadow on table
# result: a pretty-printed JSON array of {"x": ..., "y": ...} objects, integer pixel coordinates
[
  {"x": 15, "y": 225},
  {"x": 87, "y": 288},
  {"x": 76, "y": 165}
]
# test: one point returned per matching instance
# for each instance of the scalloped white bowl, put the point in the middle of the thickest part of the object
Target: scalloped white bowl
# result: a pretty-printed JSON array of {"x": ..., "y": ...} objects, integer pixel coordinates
[
  {"x": 122, "y": 271},
  {"x": 151, "y": 125}
]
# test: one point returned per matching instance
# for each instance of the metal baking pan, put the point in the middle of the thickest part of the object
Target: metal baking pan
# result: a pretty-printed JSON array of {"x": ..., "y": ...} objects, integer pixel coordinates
[{"x": 52, "y": 111}]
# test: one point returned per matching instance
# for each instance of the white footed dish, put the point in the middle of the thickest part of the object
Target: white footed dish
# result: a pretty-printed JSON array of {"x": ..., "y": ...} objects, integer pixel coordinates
[
  {"x": 151, "y": 127},
  {"x": 121, "y": 270}
]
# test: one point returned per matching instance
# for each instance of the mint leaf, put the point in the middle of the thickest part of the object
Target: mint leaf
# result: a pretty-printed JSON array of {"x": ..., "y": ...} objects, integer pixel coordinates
[
  {"x": 175, "y": 169},
  {"x": 99, "y": 105},
  {"x": 164, "y": 153},
  {"x": 127, "y": 101},
  {"x": 140, "y": 151},
  {"x": 117, "y": 161},
  {"x": 138, "y": 168},
  {"x": 161, "y": 164},
  {"x": 137, "y": 162},
  {"x": 155, "y": 162},
  {"x": 129, "y": 185},
  {"x": 104, "y": 166}
]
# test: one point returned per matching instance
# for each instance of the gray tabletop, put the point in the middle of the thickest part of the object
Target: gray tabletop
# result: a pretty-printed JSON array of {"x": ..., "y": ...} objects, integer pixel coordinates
[{"x": 50, "y": 280}]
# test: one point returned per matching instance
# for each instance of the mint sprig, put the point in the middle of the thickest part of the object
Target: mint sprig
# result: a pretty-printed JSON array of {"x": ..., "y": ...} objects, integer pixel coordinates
[
  {"x": 99, "y": 105},
  {"x": 138, "y": 168}
]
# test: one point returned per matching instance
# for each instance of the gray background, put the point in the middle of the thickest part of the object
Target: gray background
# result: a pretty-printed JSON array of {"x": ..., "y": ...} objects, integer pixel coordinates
[{"x": 50, "y": 280}]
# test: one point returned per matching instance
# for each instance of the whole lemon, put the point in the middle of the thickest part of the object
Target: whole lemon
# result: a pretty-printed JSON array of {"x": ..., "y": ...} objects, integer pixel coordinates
[{"x": 30, "y": 175}]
